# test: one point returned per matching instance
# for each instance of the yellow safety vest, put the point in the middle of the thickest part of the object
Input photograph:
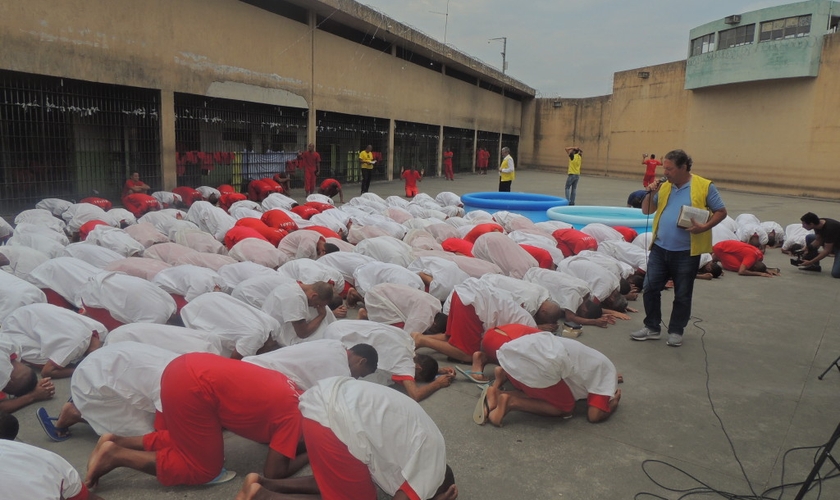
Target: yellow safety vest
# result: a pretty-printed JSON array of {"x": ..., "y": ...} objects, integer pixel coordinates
[
  {"x": 506, "y": 176},
  {"x": 700, "y": 243}
]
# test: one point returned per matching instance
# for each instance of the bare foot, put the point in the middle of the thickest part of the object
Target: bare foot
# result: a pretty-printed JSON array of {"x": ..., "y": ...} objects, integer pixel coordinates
[
  {"x": 479, "y": 360},
  {"x": 418, "y": 339},
  {"x": 614, "y": 401},
  {"x": 246, "y": 491},
  {"x": 498, "y": 413},
  {"x": 492, "y": 398},
  {"x": 69, "y": 415},
  {"x": 100, "y": 463},
  {"x": 105, "y": 438}
]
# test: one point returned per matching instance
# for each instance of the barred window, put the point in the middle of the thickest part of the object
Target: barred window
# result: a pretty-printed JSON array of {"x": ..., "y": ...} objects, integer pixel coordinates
[
  {"x": 703, "y": 44},
  {"x": 735, "y": 37},
  {"x": 779, "y": 29}
]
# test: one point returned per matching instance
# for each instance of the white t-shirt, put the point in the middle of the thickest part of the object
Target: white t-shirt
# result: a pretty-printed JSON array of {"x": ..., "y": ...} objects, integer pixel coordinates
[
  {"x": 168, "y": 252},
  {"x": 445, "y": 274},
  {"x": 346, "y": 263},
  {"x": 127, "y": 298},
  {"x": 22, "y": 260},
  {"x": 45, "y": 332},
  {"x": 254, "y": 291},
  {"x": 632, "y": 255},
  {"x": 374, "y": 273},
  {"x": 608, "y": 262},
  {"x": 116, "y": 240},
  {"x": 65, "y": 276},
  {"x": 237, "y": 272},
  {"x": 564, "y": 289},
  {"x": 188, "y": 281},
  {"x": 541, "y": 360},
  {"x": 795, "y": 235},
  {"x": 601, "y": 281},
  {"x": 15, "y": 293},
  {"x": 287, "y": 303},
  {"x": 384, "y": 429},
  {"x": 117, "y": 387},
  {"x": 210, "y": 219},
  {"x": 300, "y": 245},
  {"x": 207, "y": 192},
  {"x": 308, "y": 363},
  {"x": 391, "y": 303},
  {"x": 32, "y": 472},
  {"x": 175, "y": 339},
  {"x": 395, "y": 347},
  {"x": 309, "y": 271},
  {"x": 240, "y": 326},
  {"x": 529, "y": 295},
  {"x": 493, "y": 306},
  {"x": 55, "y": 206},
  {"x": 386, "y": 249},
  {"x": 259, "y": 252},
  {"x": 47, "y": 246},
  {"x": 189, "y": 235},
  {"x": 140, "y": 267},
  {"x": 92, "y": 254},
  {"x": 499, "y": 249},
  {"x": 601, "y": 232},
  {"x": 212, "y": 261},
  {"x": 146, "y": 234}
]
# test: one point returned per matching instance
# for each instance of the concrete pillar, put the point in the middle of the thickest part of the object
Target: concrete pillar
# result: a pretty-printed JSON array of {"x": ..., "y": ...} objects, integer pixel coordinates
[
  {"x": 475, "y": 148},
  {"x": 312, "y": 116},
  {"x": 439, "y": 161},
  {"x": 168, "y": 169},
  {"x": 391, "y": 167}
]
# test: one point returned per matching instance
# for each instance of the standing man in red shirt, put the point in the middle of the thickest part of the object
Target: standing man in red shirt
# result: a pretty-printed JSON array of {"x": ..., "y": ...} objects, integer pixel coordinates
[
  {"x": 650, "y": 168},
  {"x": 412, "y": 177},
  {"x": 483, "y": 160},
  {"x": 447, "y": 164},
  {"x": 310, "y": 160}
]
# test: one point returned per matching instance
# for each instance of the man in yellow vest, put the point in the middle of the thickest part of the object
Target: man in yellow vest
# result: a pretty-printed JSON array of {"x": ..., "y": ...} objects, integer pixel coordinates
[
  {"x": 506, "y": 171},
  {"x": 367, "y": 162},
  {"x": 675, "y": 252},
  {"x": 573, "y": 176}
]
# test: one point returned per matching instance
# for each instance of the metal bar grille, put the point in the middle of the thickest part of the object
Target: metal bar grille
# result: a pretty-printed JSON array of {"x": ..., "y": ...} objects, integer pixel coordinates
[
  {"x": 490, "y": 142},
  {"x": 416, "y": 144},
  {"x": 222, "y": 141},
  {"x": 341, "y": 137},
  {"x": 512, "y": 142},
  {"x": 461, "y": 142},
  {"x": 72, "y": 139}
]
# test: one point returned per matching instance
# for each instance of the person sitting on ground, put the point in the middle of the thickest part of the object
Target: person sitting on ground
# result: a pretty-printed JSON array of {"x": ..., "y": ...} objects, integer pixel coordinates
[
  {"x": 551, "y": 373},
  {"x": 134, "y": 185},
  {"x": 412, "y": 176},
  {"x": 345, "y": 419},
  {"x": 202, "y": 395},
  {"x": 743, "y": 258}
]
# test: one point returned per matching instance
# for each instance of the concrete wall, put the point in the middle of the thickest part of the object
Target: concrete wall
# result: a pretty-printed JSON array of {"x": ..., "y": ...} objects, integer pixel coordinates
[{"x": 777, "y": 136}]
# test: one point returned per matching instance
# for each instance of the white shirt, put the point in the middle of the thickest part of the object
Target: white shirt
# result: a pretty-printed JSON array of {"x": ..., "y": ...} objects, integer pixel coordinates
[
  {"x": 254, "y": 291},
  {"x": 529, "y": 295},
  {"x": 601, "y": 232},
  {"x": 537, "y": 238},
  {"x": 45, "y": 332},
  {"x": 32, "y": 472},
  {"x": 384, "y": 429},
  {"x": 601, "y": 281},
  {"x": 211, "y": 219},
  {"x": 277, "y": 200},
  {"x": 564, "y": 289},
  {"x": 795, "y": 235},
  {"x": 499, "y": 249},
  {"x": 395, "y": 347},
  {"x": 300, "y": 245},
  {"x": 212, "y": 261},
  {"x": 259, "y": 252},
  {"x": 176, "y": 339},
  {"x": 55, "y": 206},
  {"x": 288, "y": 303},
  {"x": 146, "y": 269},
  {"x": 15, "y": 293},
  {"x": 386, "y": 249},
  {"x": 167, "y": 197},
  {"x": 65, "y": 276},
  {"x": 94, "y": 255},
  {"x": 188, "y": 281},
  {"x": 541, "y": 360},
  {"x": 421, "y": 239},
  {"x": 45, "y": 231},
  {"x": 79, "y": 213},
  {"x": 127, "y": 298},
  {"x": 168, "y": 252},
  {"x": 390, "y": 304},
  {"x": 512, "y": 221},
  {"x": 22, "y": 260},
  {"x": 308, "y": 363},
  {"x": 146, "y": 234},
  {"x": 445, "y": 274},
  {"x": 207, "y": 192},
  {"x": 608, "y": 262},
  {"x": 492, "y": 305},
  {"x": 346, "y": 263},
  {"x": 41, "y": 217},
  {"x": 117, "y": 387},
  {"x": 630, "y": 254},
  {"x": 116, "y": 240},
  {"x": 43, "y": 244},
  {"x": 240, "y": 326},
  {"x": 309, "y": 271},
  {"x": 374, "y": 273}
]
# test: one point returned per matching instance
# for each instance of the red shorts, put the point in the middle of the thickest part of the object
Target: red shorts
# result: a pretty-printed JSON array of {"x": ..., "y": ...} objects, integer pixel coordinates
[
  {"x": 339, "y": 475},
  {"x": 463, "y": 327},
  {"x": 495, "y": 338},
  {"x": 558, "y": 395}
]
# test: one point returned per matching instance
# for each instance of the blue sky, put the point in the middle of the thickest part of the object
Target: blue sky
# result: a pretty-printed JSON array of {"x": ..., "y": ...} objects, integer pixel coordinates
[{"x": 566, "y": 48}]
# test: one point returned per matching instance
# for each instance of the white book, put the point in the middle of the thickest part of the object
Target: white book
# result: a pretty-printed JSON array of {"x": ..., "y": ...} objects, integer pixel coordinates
[{"x": 687, "y": 212}]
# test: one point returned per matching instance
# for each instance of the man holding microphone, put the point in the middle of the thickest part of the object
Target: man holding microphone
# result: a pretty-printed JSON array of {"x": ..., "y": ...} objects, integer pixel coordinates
[{"x": 675, "y": 252}]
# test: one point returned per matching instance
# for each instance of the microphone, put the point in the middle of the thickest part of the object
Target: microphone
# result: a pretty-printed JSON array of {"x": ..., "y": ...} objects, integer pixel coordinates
[{"x": 663, "y": 180}]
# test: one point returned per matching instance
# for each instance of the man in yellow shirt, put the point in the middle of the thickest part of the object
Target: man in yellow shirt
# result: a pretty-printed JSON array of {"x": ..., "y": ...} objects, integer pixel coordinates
[
  {"x": 575, "y": 160},
  {"x": 367, "y": 162},
  {"x": 506, "y": 171}
]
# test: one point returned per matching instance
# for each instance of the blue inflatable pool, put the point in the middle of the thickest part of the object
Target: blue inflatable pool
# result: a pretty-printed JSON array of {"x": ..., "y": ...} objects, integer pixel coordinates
[
  {"x": 579, "y": 216},
  {"x": 533, "y": 206}
]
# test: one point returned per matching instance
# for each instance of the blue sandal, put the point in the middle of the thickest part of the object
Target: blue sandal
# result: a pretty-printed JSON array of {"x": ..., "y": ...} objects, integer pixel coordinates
[{"x": 49, "y": 427}]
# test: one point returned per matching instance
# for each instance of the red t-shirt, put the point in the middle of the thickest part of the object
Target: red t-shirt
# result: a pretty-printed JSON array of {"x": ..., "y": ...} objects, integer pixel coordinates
[
  {"x": 330, "y": 187},
  {"x": 733, "y": 254},
  {"x": 651, "y": 165},
  {"x": 411, "y": 177},
  {"x": 572, "y": 241},
  {"x": 447, "y": 158},
  {"x": 309, "y": 161},
  {"x": 130, "y": 184}
]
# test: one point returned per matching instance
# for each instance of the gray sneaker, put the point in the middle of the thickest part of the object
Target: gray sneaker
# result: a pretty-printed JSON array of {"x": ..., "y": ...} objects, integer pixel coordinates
[
  {"x": 674, "y": 339},
  {"x": 645, "y": 334}
]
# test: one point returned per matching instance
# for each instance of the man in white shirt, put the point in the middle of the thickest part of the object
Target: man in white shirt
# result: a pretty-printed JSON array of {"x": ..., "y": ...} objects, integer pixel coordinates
[
  {"x": 301, "y": 309},
  {"x": 397, "y": 359},
  {"x": 52, "y": 338},
  {"x": 19, "y": 385},
  {"x": 402, "y": 306},
  {"x": 550, "y": 374},
  {"x": 345, "y": 419},
  {"x": 499, "y": 249},
  {"x": 172, "y": 338},
  {"x": 375, "y": 273},
  {"x": 115, "y": 389},
  {"x": 56, "y": 478},
  {"x": 244, "y": 329}
]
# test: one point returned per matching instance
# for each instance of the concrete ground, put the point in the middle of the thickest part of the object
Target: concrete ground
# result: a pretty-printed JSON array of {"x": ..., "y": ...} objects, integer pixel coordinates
[{"x": 746, "y": 373}]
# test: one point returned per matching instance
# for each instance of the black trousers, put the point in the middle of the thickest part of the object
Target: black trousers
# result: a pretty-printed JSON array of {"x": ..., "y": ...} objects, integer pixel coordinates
[
  {"x": 367, "y": 173},
  {"x": 504, "y": 186}
]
